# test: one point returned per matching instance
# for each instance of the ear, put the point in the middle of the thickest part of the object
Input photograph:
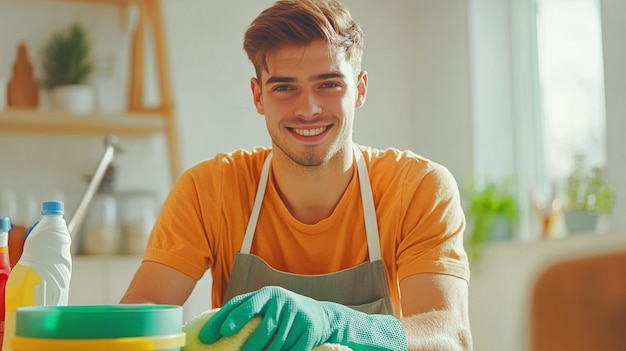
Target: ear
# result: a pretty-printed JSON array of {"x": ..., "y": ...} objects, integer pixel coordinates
[
  {"x": 257, "y": 95},
  {"x": 361, "y": 89}
]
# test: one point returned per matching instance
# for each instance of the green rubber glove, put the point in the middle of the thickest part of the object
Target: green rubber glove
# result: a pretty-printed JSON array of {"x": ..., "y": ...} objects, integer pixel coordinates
[{"x": 295, "y": 322}]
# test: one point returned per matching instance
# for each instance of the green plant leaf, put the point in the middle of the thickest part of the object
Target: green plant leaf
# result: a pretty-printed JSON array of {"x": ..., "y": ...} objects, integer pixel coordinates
[
  {"x": 483, "y": 206},
  {"x": 587, "y": 188},
  {"x": 67, "y": 58}
]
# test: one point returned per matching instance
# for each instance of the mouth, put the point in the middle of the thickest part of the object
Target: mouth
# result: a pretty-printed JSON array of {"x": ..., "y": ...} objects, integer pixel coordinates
[{"x": 309, "y": 132}]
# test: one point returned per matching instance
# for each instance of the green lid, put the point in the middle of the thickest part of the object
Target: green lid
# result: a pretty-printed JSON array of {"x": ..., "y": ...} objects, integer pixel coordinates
[{"x": 98, "y": 321}]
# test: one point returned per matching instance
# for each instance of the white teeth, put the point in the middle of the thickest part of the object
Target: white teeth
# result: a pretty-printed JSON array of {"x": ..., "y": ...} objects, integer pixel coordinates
[{"x": 310, "y": 132}]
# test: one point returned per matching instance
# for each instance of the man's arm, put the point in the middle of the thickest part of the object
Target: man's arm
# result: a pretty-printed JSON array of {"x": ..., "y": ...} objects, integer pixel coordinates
[
  {"x": 159, "y": 284},
  {"x": 434, "y": 305},
  {"x": 435, "y": 310}
]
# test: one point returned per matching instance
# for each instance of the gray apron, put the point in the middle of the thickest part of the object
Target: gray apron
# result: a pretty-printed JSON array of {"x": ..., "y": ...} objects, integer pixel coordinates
[{"x": 363, "y": 287}]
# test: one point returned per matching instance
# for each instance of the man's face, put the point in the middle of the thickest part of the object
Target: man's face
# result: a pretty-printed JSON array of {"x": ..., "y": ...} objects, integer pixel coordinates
[{"x": 308, "y": 96}]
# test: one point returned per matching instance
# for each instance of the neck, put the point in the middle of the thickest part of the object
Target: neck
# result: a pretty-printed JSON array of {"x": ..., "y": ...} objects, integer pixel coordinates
[{"x": 312, "y": 193}]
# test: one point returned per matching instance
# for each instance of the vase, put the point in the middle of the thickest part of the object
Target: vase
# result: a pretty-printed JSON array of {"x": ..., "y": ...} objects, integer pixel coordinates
[
  {"x": 500, "y": 229},
  {"x": 579, "y": 221},
  {"x": 22, "y": 89},
  {"x": 75, "y": 99}
]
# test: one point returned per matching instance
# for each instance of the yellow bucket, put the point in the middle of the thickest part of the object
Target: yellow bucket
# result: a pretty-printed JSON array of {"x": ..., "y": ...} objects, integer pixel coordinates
[
  {"x": 151, "y": 343},
  {"x": 99, "y": 328}
]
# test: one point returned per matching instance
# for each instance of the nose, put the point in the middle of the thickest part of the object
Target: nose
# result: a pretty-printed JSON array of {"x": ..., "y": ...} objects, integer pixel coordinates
[{"x": 307, "y": 104}]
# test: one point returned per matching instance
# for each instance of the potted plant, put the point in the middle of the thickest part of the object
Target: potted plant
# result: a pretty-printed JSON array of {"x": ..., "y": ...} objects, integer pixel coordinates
[
  {"x": 492, "y": 214},
  {"x": 586, "y": 196},
  {"x": 67, "y": 67}
]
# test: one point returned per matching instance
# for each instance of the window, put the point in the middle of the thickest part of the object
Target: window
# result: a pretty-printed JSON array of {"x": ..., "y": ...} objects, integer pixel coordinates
[
  {"x": 571, "y": 84},
  {"x": 537, "y": 94}
]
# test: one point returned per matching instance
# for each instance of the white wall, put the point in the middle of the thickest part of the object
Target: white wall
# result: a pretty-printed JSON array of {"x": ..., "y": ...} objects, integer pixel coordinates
[
  {"x": 210, "y": 75},
  {"x": 442, "y": 103}
]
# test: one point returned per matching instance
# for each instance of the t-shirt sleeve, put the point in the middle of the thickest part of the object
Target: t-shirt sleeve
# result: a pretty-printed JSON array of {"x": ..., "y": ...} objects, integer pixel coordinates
[
  {"x": 432, "y": 230},
  {"x": 179, "y": 239}
]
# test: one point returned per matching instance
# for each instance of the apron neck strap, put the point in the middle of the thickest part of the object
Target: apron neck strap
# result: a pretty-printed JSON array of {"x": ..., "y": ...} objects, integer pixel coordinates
[
  {"x": 369, "y": 211},
  {"x": 258, "y": 200},
  {"x": 367, "y": 199}
]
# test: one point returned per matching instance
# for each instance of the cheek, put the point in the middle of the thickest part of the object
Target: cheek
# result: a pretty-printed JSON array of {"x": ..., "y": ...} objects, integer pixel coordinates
[
  {"x": 267, "y": 105},
  {"x": 349, "y": 103},
  {"x": 277, "y": 105},
  {"x": 273, "y": 114}
]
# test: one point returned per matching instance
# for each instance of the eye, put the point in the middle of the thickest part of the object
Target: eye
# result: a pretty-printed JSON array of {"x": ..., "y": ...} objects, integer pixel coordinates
[
  {"x": 282, "y": 88},
  {"x": 329, "y": 85}
]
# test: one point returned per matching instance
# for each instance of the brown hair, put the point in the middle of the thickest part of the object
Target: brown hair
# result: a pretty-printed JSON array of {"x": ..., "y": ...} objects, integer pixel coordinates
[{"x": 299, "y": 22}]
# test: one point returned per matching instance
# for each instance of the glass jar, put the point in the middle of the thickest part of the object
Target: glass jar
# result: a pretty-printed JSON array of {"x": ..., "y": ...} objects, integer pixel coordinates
[
  {"x": 101, "y": 232},
  {"x": 137, "y": 216}
]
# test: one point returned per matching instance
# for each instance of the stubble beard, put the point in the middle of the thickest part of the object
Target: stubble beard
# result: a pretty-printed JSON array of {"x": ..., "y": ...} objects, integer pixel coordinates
[
  {"x": 311, "y": 157},
  {"x": 308, "y": 159}
]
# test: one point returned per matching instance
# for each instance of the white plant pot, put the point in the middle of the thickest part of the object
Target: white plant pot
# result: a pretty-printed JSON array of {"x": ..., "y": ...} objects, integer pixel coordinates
[{"x": 75, "y": 99}]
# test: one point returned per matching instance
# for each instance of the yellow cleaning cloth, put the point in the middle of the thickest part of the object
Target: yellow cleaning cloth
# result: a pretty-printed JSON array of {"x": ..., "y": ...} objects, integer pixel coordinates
[{"x": 235, "y": 342}]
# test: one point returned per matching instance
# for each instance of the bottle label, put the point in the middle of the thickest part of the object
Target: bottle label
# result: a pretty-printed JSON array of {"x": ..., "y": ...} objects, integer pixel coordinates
[
  {"x": 20, "y": 291},
  {"x": 21, "y": 287}
]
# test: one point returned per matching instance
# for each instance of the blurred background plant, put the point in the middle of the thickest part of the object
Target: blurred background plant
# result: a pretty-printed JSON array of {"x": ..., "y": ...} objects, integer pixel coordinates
[
  {"x": 586, "y": 195},
  {"x": 67, "y": 58},
  {"x": 586, "y": 188},
  {"x": 492, "y": 213}
]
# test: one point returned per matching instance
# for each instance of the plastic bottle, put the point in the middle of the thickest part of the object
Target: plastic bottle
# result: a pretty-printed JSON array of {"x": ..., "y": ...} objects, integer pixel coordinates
[
  {"x": 5, "y": 266},
  {"x": 42, "y": 275}
]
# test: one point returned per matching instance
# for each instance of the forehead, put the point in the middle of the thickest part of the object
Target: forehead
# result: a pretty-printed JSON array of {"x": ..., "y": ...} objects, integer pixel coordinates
[{"x": 313, "y": 59}]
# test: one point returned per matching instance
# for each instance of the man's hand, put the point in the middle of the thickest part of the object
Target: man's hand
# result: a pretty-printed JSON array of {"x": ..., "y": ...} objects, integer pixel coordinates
[
  {"x": 290, "y": 321},
  {"x": 295, "y": 322}
]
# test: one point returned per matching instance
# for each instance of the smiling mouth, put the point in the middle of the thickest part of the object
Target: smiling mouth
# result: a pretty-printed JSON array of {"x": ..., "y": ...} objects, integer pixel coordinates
[{"x": 310, "y": 132}]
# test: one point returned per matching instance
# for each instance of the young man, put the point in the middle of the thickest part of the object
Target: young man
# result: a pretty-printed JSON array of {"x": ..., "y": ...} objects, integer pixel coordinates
[{"x": 326, "y": 240}]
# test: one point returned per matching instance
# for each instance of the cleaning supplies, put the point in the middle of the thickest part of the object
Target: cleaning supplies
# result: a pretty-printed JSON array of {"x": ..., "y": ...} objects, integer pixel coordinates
[
  {"x": 42, "y": 275},
  {"x": 5, "y": 266}
]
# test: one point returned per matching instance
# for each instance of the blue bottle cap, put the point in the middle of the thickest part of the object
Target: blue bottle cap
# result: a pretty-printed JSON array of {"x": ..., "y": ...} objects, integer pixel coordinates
[
  {"x": 5, "y": 223},
  {"x": 52, "y": 207}
]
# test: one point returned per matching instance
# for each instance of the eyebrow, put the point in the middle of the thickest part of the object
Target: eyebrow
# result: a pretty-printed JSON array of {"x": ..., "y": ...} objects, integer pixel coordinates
[{"x": 318, "y": 77}]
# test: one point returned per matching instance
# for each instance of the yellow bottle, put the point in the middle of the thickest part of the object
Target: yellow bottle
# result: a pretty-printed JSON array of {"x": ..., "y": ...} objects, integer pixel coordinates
[
  {"x": 20, "y": 291},
  {"x": 42, "y": 275},
  {"x": 5, "y": 266}
]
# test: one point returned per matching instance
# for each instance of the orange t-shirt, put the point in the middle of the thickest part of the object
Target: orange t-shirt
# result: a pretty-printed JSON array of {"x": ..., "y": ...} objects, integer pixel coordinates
[{"x": 420, "y": 221}]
